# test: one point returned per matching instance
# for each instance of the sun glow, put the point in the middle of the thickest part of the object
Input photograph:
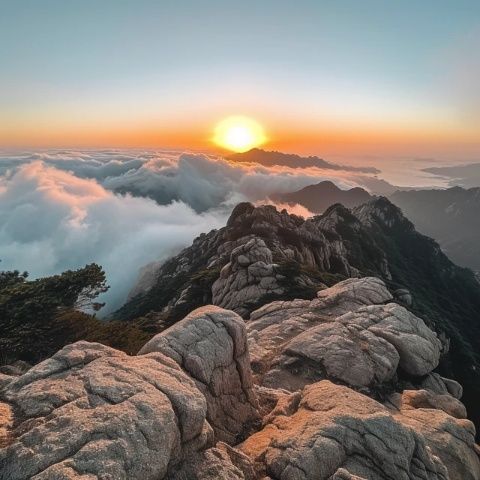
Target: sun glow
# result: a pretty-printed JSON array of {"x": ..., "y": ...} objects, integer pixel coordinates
[{"x": 239, "y": 134}]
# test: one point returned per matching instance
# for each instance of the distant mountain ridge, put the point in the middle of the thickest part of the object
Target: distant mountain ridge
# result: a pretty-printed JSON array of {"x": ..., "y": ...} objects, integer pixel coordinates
[
  {"x": 272, "y": 158},
  {"x": 449, "y": 216},
  {"x": 317, "y": 198}
]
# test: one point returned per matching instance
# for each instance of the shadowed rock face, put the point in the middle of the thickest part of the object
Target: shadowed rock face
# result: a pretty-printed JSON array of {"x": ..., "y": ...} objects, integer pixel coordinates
[
  {"x": 210, "y": 344},
  {"x": 318, "y": 198}
]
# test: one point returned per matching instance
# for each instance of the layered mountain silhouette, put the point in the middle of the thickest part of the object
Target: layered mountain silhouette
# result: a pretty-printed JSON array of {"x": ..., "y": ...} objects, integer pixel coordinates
[
  {"x": 449, "y": 216},
  {"x": 270, "y": 159},
  {"x": 317, "y": 198}
]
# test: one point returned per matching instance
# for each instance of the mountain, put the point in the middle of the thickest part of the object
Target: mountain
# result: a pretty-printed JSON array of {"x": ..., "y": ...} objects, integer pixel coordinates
[
  {"x": 322, "y": 357},
  {"x": 262, "y": 255},
  {"x": 270, "y": 159},
  {"x": 450, "y": 217},
  {"x": 317, "y": 198}
]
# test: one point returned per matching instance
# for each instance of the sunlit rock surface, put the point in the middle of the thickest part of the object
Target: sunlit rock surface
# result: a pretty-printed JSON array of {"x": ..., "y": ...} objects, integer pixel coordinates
[
  {"x": 347, "y": 333},
  {"x": 330, "y": 431},
  {"x": 93, "y": 412}
]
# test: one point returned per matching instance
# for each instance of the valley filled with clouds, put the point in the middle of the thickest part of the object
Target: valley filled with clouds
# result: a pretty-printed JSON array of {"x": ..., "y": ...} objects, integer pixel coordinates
[{"x": 122, "y": 209}]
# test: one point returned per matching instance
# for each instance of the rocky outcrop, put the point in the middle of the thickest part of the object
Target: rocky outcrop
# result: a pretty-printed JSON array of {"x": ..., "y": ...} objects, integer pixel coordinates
[
  {"x": 210, "y": 344},
  {"x": 244, "y": 261},
  {"x": 249, "y": 276},
  {"x": 332, "y": 432},
  {"x": 329, "y": 431},
  {"x": 93, "y": 412},
  {"x": 343, "y": 386},
  {"x": 263, "y": 255},
  {"x": 347, "y": 333},
  {"x": 441, "y": 421}
]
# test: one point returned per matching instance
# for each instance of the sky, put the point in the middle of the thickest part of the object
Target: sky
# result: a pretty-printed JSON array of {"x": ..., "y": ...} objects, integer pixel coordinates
[{"x": 337, "y": 77}]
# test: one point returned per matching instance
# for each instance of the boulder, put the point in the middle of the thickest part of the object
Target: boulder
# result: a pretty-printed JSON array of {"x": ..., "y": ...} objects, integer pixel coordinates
[
  {"x": 438, "y": 384},
  {"x": 441, "y": 420},
  {"x": 210, "y": 344},
  {"x": 330, "y": 431},
  {"x": 93, "y": 412},
  {"x": 348, "y": 333},
  {"x": 413, "y": 399},
  {"x": 418, "y": 346}
]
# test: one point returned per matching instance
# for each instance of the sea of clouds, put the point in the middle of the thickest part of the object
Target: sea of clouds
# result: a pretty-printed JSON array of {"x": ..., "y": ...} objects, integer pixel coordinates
[{"x": 121, "y": 209}]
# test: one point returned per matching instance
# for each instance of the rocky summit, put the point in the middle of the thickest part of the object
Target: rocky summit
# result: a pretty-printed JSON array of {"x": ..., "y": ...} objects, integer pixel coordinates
[
  {"x": 264, "y": 255},
  {"x": 338, "y": 387},
  {"x": 286, "y": 349}
]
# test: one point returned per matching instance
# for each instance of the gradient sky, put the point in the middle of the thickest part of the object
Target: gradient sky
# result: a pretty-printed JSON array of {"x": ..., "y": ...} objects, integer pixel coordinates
[{"x": 336, "y": 76}]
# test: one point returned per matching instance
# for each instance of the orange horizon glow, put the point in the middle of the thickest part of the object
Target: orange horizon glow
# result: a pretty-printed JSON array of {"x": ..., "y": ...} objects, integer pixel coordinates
[{"x": 303, "y": 138}]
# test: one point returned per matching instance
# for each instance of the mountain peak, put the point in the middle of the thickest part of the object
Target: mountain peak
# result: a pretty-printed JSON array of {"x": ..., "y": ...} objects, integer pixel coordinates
[
  {"x": 274, "y": 158},
  {"x": 383, "y": 212},
  {"x": 319, "y": 197}
]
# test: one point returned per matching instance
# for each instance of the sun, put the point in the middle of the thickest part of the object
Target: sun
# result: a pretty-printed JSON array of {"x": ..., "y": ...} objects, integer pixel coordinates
[{"x": 239, "y": 134}]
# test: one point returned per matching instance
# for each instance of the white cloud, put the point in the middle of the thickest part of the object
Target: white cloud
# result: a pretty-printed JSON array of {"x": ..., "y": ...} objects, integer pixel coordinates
[
  {"x": 59, "y": 210},
  {"x": 202, "y": 181},
  {"x": 51, "y": 220}
]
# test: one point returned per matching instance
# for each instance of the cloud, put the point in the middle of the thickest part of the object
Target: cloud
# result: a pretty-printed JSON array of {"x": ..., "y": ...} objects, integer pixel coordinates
[
  {"x": 295, "y": 208},
  {"x": 466, "y": 176},
  {"x": 199, "y": 180},
  {"x": 51, "y": 220},
  {"x": 122, "y": 209}
]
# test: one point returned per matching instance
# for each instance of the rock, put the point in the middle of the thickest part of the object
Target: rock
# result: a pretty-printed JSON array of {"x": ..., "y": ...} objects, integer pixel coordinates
[
  {"x": 335, "y": 432},
  {"x": 440, "y": 419},
  {"x": 6, "y": 423},
  {"x": 93, "y": 412},
  {"x": 4, "y": 380},
  {"x": 15, "y": 369},
  {"x": 210, "y": 344},
  {"x": 438, "y": 384},
  {"x": 412, "y": 399},
  {"x": 347, "y": 333},
  {"x": 354, "y": 293},
  {"x": 221, "y": 462},
  {"x": 269, "y": 398},
  {"x": 256, "y": 253},
  {"x": 404, "y": 296},
  {"x": 343, "y": 352},
  {"x": 418, "y": 346},
  {"x": 249, "y": 276}
]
